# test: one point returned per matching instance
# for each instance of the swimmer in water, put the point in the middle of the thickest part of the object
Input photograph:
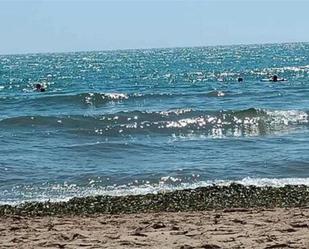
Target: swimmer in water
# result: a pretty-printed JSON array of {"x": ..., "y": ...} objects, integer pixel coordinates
[
  {"x": 240, "y": 79},
  {"x": 39, "y": 88},
  {"x": 274, "y": 78}
]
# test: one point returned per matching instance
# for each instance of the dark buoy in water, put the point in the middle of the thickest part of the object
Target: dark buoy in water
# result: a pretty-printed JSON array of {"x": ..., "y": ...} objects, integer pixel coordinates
[{"x": 240, "y": 79}]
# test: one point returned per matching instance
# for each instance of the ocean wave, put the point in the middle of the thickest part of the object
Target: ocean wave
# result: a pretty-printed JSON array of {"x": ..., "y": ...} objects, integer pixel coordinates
[
  {"x": 248, "y": 122},
  {"x": 292, "y": 71},
  {"x": 97, "y": 99}
]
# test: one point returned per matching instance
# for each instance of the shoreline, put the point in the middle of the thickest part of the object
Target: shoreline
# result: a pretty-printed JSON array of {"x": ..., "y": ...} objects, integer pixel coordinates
[{"x": 188, "y": 200}]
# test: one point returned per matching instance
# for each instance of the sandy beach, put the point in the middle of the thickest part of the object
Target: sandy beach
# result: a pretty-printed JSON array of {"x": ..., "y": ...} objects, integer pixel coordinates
[
  {"x": 227, "y": 228},
  {"x": 233, "y": 216}
]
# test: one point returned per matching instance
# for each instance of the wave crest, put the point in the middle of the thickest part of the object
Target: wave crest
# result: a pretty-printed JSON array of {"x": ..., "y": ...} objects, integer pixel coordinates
[{"x": 249, "y": 122}]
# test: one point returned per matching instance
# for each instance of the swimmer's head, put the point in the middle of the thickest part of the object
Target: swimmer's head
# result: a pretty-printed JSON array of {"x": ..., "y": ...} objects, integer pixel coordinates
[{"x": 39, "y": 88}]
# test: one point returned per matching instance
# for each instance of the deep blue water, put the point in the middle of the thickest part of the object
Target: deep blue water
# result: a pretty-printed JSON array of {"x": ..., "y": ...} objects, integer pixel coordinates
[{"x": 137, "y": 121}]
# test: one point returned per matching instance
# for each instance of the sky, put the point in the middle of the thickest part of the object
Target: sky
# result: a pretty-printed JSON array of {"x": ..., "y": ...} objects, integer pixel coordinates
[{"x": 85, "y": 25}]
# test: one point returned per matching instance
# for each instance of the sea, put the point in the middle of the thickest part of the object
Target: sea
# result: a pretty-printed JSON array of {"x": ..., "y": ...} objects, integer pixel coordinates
[{"x": 152, "y": 120}]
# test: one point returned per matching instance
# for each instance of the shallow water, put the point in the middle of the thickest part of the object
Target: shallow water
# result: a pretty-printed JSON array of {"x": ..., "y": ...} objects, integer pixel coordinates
[{"x": 138, "y": 121}]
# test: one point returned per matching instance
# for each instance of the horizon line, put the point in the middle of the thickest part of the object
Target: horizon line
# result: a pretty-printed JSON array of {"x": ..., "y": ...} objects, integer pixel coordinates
[{"x": 152, "y": 48}]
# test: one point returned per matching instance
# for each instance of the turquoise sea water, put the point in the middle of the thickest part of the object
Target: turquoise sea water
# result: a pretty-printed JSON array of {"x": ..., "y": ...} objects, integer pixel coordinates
[{"x": 139, "y": 121}]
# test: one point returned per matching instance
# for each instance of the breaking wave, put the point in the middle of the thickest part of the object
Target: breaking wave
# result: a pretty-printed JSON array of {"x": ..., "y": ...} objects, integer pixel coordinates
[{"x": 64, "y": 192}]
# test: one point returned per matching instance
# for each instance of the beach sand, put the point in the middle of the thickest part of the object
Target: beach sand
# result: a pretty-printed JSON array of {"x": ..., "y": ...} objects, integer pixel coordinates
[{"x": 226, "y": 228}]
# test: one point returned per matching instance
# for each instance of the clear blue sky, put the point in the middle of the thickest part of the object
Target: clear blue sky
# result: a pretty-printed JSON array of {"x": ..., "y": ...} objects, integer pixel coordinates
[{"x": 51, "y": 26}]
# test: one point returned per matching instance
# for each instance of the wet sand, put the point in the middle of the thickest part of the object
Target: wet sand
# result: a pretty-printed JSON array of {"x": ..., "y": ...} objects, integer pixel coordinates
[{"x": 226, "y": 228}]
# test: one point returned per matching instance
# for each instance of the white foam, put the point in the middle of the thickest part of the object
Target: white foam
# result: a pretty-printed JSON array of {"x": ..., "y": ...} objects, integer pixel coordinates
[
  {"x": 273, "y": 182},
  {"x": 176, "y": 111},
  {"x": 294, "y": 68},
  {"x": 116, "y": 96},
  {"x": 185, "y": 122},
  {"x": 289, "y": 117}
]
